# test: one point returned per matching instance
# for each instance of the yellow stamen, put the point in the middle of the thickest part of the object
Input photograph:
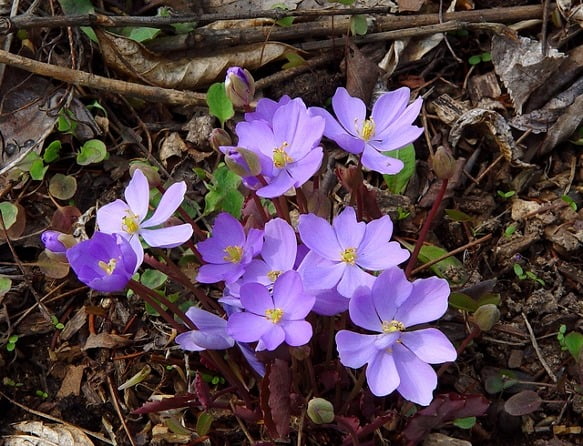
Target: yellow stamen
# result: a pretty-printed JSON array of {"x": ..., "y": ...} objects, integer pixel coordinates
[
  {"x": 272, "y": 275},
  {"x": 234, "y": 254},
  {"x": 280, "y": 156},
  {"x": 130, "y": 223},
  {"x": 393, "y": 326},
  {"x": 274, "y": 315},
  {"x": 108, "y": 267},
  {"x": 368, "y": 128},
  {"x": 349, "y": 256}
]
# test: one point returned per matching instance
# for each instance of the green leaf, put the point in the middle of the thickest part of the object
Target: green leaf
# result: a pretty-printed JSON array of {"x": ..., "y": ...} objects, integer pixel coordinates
[
  {"x": 398, "y": 182},
  {"x": 80, "y": 7},
  {"x": 475, "y": 59},
  {"x": 358, "y": 25},
  {"x": 508, "y": 194},
  {"x": 462, "y": 301},
  {"x": 574, "y": 343},
  {"x": 465, "y": 423},
  {"x": 486, "y": 57},
  {"x": 446, "y": 267},
  {"x": 203, "y": 423},
  {"x": 570, "y": 202},
  {"x": 511, "y": 229},
  {"x": 219, "y": 104},
  {"x": 52, "y": 152},
  {"x": 38, "y": 169},
  {"x": 224, "y": 193},
  {"x": 93, "y": 151},
  {"x": 294, "y": 60},
  {"x": 457, "y": 215},
  {"x": 66, "y": 122},
  {"x": 500, "y": 381},
  {"x": 140, "y": 34},
  {"x": 153, "y": 278},
  {"x": 5, "y": 285},
  {"x": 519, "y": 271},
  {"x": 9, "y": 213}
]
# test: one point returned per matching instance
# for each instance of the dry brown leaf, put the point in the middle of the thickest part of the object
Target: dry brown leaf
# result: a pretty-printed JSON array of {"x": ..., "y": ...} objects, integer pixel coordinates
[
  {"x": 564, "y": 127},
  {"x": 410, "y": 5},
  {"x": 134, "y": 60},
  {"x": 71, "y": 384},
  {"x": 43, "y": 434},
  {"x": 361, "y": 74},
  {"x": 105, "y": 340}
]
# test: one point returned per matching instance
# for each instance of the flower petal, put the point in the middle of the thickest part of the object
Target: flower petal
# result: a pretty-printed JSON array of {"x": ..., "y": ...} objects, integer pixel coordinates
[
  {"x": 355, "y": 349},
  {"x": 376, "y": 252},
  {"x": 388, "y": 107},
  {"x": 170, "y": 201},
  {"x": 205, "y": 320},
  {"x": 362, "y": 311},
  {"x": 196, "y": 341},
  {"x": 169, "y": 237},
  {"x": 257, "y": 136},
  {"x": 272, "y": 338},
  {"x": 137, "y": 194},
  {"x": 280, "y": 245},
  {"x": 397, "y": 139},
  {"x": 329, "y": 302},
  {"x": 278, "y": 186},
  {"x": 389, "y": 291},
  {"x": 211, "y": 273},
  {"x": 349, "y": 232},
  {"x": 227, "y": 231},
  {"x": 247, "y": 327},
  {"x": 110, "y": 217},
  {"x": 374, "y": 160},
  {"x": 256, "y": 298},
  {"x": 289, "y": 296},
  {"x": 332, "y": 128},
  {"x": 320, "y": 273},
  {"x": 318, "y": 235},
  {"x": 429, "y": 345},
  {"x": 381, "y": 374},
  {"x": 418, "y": 379},
  {"x": 302, "y": 170},
  {"x": 427, "y": 302},
  {"x": 353, "y": 279},
  {"x": 257, "y": 271},
  {"x": 348, "y": 110},
  {"x": 297, "y": 332}
]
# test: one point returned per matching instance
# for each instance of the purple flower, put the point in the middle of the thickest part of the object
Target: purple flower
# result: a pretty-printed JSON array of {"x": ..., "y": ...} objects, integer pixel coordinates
[
  {"x": 286, "y": 146},
  {"x": 273, "y": 319},
  {"x": 266, "y": 108},
  {"x": 57, "y": 242},
  {"x": 341, "y": 252},
  {"x": 228, "y": 251},
  {"x": 128, "y": 218},
  {"x": 239, "y": 86},
  {"x": 105, "y": 262},
  {"x": 398, "y": 359},
  {"x": 211, "y": 333},
  {"x": 388, "y": 128},
  {"x": 278, "y": 253}
]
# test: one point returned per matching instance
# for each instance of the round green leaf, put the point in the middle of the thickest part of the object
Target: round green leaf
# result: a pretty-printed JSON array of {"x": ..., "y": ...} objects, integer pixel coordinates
[
  {"x": 62, "y": 186},
  {"x": 9, "y": 212},
  {"x": 93, "y": 151}
]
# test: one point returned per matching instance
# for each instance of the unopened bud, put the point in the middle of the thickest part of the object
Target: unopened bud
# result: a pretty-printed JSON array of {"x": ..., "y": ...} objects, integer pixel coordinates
[
  {"x": 149, "y": 172},
  {"x": 443, "y": 163},
  {"x": 57, "y": 242},
  {"x": 320, "y": 411},
  {"x": 486, "y": 316},
  {"x": 218, "y": 138},
  {"x": 243, "y": 162},
  {"x": 240, "y": 86}
]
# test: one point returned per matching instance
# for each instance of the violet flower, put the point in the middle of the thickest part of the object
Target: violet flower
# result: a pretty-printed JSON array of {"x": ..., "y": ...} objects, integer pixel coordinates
[
  {"x": 265, "y": 109},
  {"x": 239, "y": 86},
  {"x": 398, "y": 359},
  {"x": 273, "y": 319},
  {"x": 211, "y": 333},
  {"x": 287, "y": 146},
  {"x": 389, "y": 127},
  {"x": 128, "y": 218},
  {"x": 341, "y": 252},
  {"x": 105, "y": 262},
  {"x": 57, "y": 242},
  {"x": 228, "y": 251}
]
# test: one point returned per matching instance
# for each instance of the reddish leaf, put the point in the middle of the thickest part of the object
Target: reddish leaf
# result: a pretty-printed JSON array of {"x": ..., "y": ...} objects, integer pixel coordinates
[
  {"x": 279, "y": 399},
  {"x": 175, "y": 402},
  {"x": 202, "y": 391},
  {"x": 64, "y": 218},
  {"x": 443, "y": 408},
  {"x": 523, "y": 403}
]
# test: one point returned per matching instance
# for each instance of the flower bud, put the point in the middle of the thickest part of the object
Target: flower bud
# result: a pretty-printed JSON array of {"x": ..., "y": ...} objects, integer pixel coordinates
[
  {"x": 218, "y": 138},
  {"x": 443, "y": 163},
  {"x": 57, "y": 242},
  {"x": 240, "y": 86},
  {"x": 149, "y": 172},
  {"x": 320, "y": 411},
  {"x": 243, "y": 162},
  {"x": 486, "y": 316}
]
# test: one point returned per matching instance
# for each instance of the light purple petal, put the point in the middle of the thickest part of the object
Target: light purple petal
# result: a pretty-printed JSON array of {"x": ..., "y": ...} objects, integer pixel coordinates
[
  {"x": 292, "y": 124},
  {"x": 388, "y": 108},
  {"x": 211, "y": 273},
  {"x": 348, "y": 110},
  {"x": 257, "y": 271},
  {"x": 296, "y": 332},
  {"x": 429, "y": 345},
  {"x": 389, "y": 291},
  {"x": 280, "y": 245},
  {"x": 137, "y": 248},
  {"x": 252, "y": 245},
  {"x": 278, "y": 186},
  {"x": 256, "y": 298},
  {"x": 272, "y": 338},
  {"x": 381, "y": 374},
  {"x": 363, "y": 313},
  {"x": 332, "y": 128},
  {"x": 418, "y": 379},
  {"x": 320, "y": 273},
  {"x": 427, "y": 302},
  {"x": 247, "y": 327},
  {"x": 349, "y": 232},
  {"x": 205, "y": 320},
  {"x": 397, "y": 139},
  {"x": 355, "y": 349},
  {"x": 329, "y": 302},
  {"x": 302, "y": 170},
  {"x": 110, "y": 217},
  {"x": 249, "y": 355},
  {"x": 169, "y": 237},
  {"x": 289, "y": 296},
  {"x": 196, "y": 341},
  {"x": 170, "y": 201},
  {"x": 318, "y": 235},
  {"x": 374, "y": 160},
  {"x": 353, "y": 279},
  {"x": 376, "y": 252},
  {"x": 137, "y": 194},
  {"x": 257, "y": 136}
]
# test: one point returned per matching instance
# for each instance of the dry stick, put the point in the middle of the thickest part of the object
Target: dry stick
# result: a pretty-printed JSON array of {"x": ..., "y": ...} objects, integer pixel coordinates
[
  {"x": 82, "y": 78},
  {"x": 116, "y": 405},
  {"x": 537, "y": 349}
]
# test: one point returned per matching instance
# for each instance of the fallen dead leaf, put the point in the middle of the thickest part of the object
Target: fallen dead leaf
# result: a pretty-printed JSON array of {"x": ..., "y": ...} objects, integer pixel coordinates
[
  {"x": 42, "y": 434},
  {"x": 105, "y": 340},
  {"x": 71, "y": 384}
]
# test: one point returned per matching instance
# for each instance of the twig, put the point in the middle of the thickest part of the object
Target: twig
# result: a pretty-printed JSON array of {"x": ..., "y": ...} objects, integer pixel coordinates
[
  {"x": 82, "y": 78},
  {"x": 115, "y": 400},
  {"x": 537, "y": 349}
]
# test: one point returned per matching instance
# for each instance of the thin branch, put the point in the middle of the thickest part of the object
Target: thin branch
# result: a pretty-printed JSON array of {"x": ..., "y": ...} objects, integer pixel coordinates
[{"x": 539, "y": 354}]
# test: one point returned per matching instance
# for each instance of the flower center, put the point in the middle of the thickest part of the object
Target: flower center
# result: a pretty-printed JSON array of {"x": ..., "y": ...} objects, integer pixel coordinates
[
  {"x": 272, "y": 275},
  {"x": 280, "y": 156},
  {"x": 130, "y": 223},
  {"x": 108, "y": 267},
  {"x": 367, "y": 130},
  {"x": 274, "y": 315},
  {"x": 349, "y": 256},
  {"x": 393, "y": 326},
  {"x": 234, "y": 254}
]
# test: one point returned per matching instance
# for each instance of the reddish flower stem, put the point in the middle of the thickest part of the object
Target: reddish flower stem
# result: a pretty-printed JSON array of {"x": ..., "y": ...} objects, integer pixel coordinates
[
  {"x": 425, "y": 228},
  {"x": 146, "y": 294}
]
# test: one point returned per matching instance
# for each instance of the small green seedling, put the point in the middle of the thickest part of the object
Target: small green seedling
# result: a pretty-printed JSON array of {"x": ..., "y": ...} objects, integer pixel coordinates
[
  {"x": 505, "y": 195},
  {"x": 41, "y": 394},
  {"x": 55, "y": 321},
  {"x": 12, "y": 340},
  {"x": 402, "y": 214},
  {"x": 465, "y": 423},
  {"x": 511, "y": 229},
  {"x": 477, "y": 58},
  {"x": 10, "y": 382},
  {"x": 570, "y": 202},
  {"x": 285, "y": 21},
  {"x": 524, "y": 275},
  {"x": 571, "y": 342}
]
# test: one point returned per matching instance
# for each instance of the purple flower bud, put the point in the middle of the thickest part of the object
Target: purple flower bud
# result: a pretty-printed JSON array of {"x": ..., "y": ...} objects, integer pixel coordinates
[
  {"x": 243, "y": 162},
  {"x": 240, "y": 86},
  {"x": 57, "y": 242},
  {"x": 105, "y": 262}
]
